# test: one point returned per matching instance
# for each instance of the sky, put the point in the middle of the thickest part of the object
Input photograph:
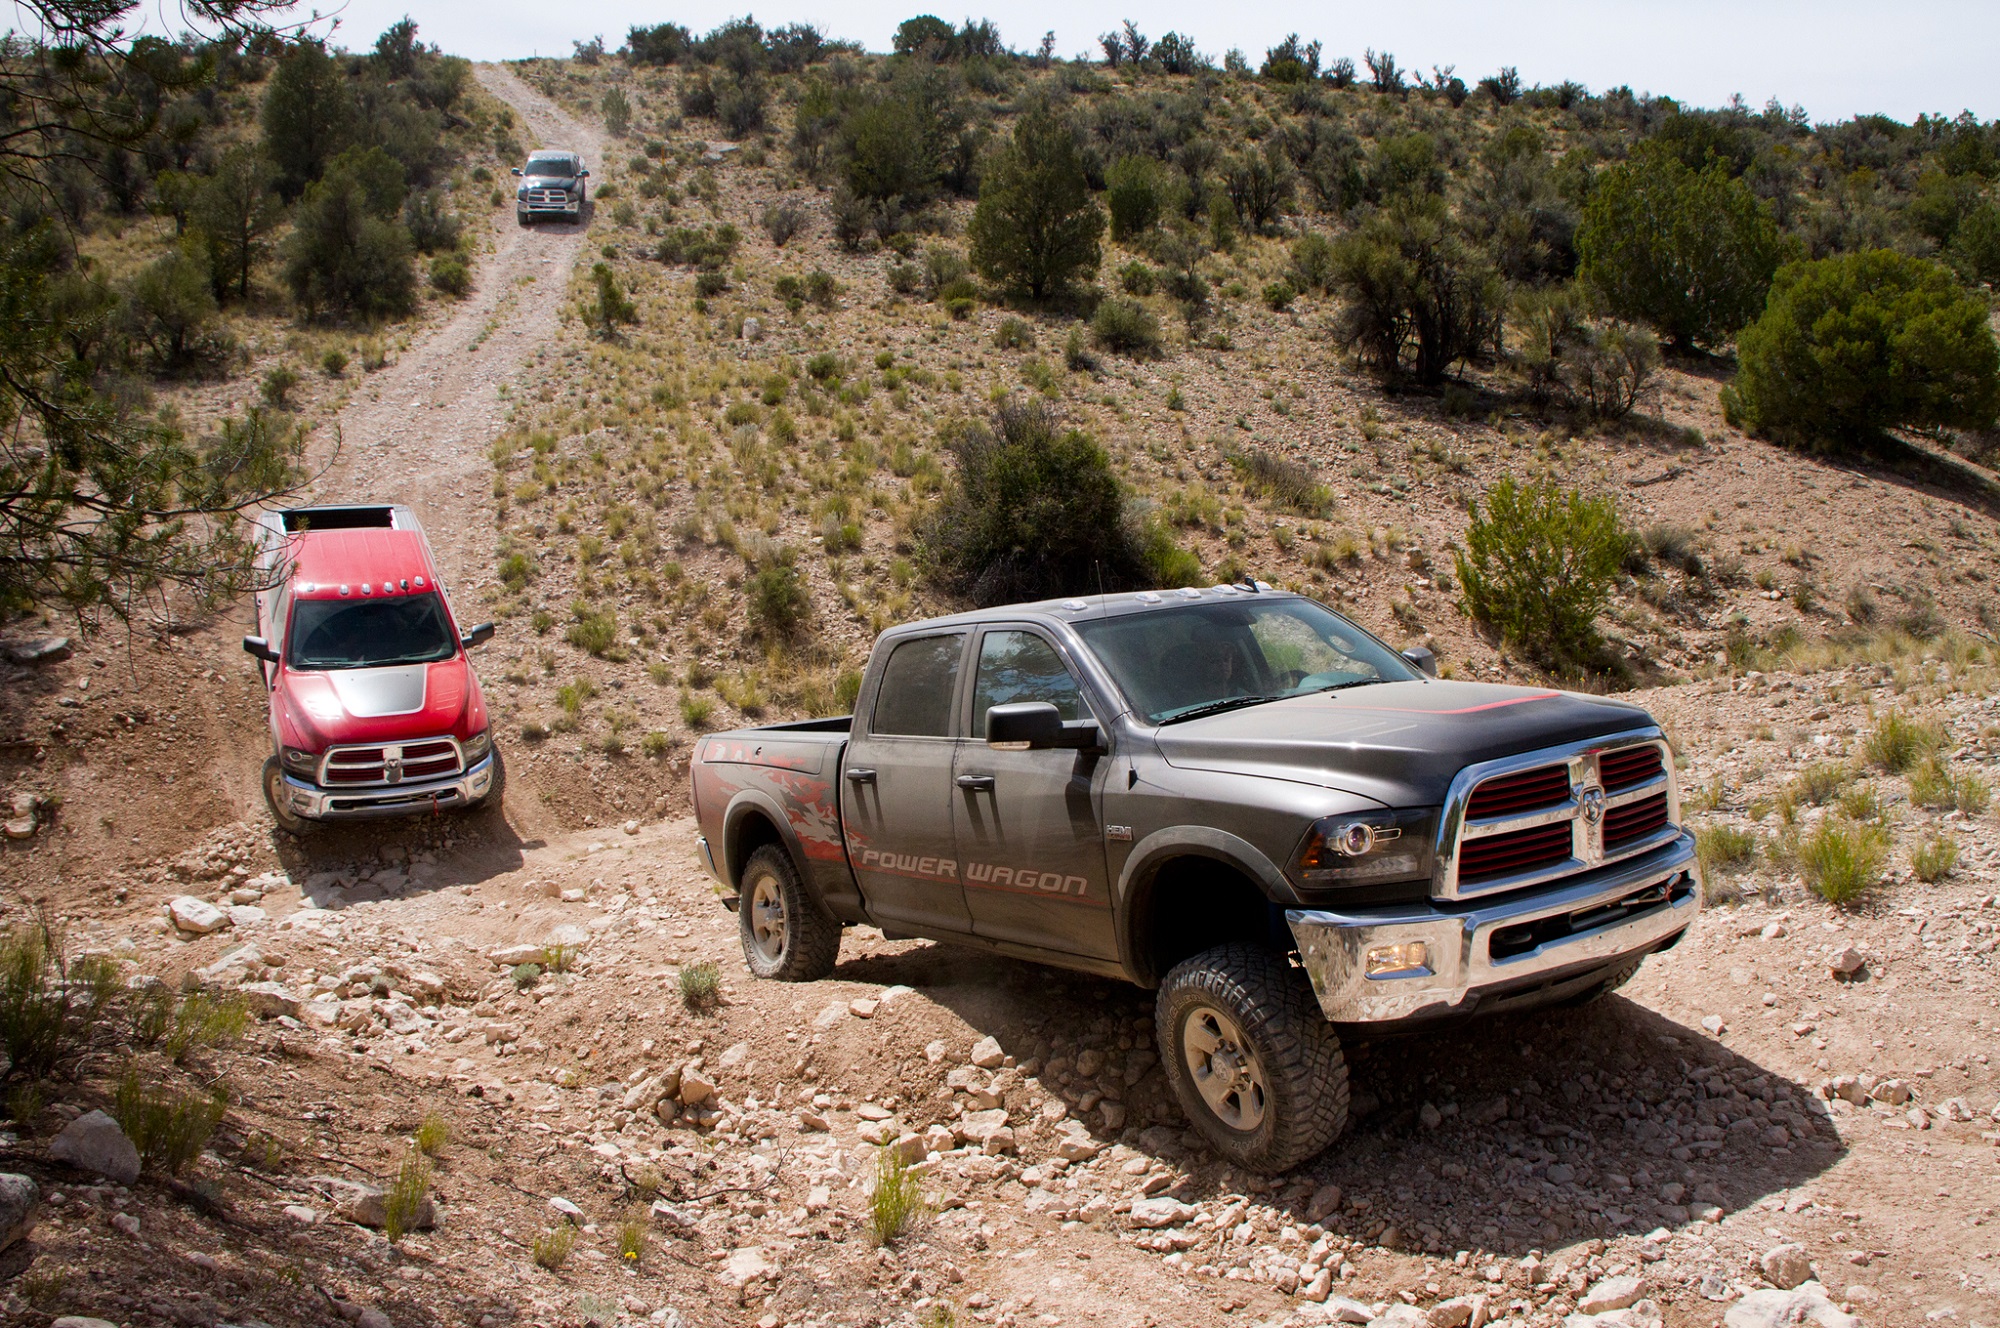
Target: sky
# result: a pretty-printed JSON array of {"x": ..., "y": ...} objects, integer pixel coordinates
[{"x": 1836, "y": 58}]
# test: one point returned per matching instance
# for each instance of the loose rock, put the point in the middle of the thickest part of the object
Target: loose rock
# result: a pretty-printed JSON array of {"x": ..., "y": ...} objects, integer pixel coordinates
[{"x": 94, "y": 1143}]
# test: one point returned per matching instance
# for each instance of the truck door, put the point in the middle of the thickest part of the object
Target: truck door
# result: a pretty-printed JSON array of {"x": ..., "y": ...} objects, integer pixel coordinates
[
  {"x": 896, "y": 806},
  {"x": 1030, "y": 838}
]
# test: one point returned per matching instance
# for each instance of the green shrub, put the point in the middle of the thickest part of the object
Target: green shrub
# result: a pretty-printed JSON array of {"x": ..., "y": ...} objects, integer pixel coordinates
[
  {"x": 1313, "y": 267},
  {"x": 1418, "y": 296},
  {"x": 1842, "y": 862},
  {"x": 1722, "y": 847},
  {"x": 433, "y": 1133},
  {"x": 1278, "y": 296},
  {"x": 897, "y": 1199},
  {"x": 1690, "y": 252},
  {"x": 551, "y": 1248},
  {"x": 202, "y": 1022},
  {"x": 1127, "y": 327},
  {"x": 53, "y": 1009},
  {"x": 777, "y": 601},
  {"x": 1034, "y": 511},
  {"x": 344, "y": 257},
  {"x": 1014, "y": 334},
  {"x": 277, "y": 387},
  {"x": 169, "y": 1128},
  {"x": 334, "y": 362},
  {"x": 1930, "y": 784},
  {"x": 696, "y": 710},
  {"x": 169, "y": 310},
  {"x": 1934, "y": 858},
  {"x": 701, "y": 985},
  {"x": 1133, "y": 192},
  {"x": 594, "y": 630},
  {"x": 1899, "y": 742},
  {"x": 1539, "y": 566},
  {"x": 450, "y": 275},
  {"x": 1294, "y": 484},
  {"x": 403, "y": 1204},
  {"x": 1135, "y": 278},
  {"x": 1036, "y": 227},
  {"x": 1852, "y": 346}
]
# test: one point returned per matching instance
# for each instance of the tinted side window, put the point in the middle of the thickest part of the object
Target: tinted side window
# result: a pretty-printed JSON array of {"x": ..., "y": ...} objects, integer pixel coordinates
[
  {"x": 917, "y": 686},
  {"x": 1020, "y": 666}
]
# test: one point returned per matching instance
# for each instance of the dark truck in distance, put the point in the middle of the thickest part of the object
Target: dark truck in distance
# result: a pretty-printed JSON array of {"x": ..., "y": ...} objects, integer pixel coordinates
[{"x": 1232, "y": 795}]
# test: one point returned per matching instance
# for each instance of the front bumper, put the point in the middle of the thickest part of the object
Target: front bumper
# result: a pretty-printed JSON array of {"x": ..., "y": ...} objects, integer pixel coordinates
[
  {"x": 540, "y": 207},
  {"x": 1502, "y": 949},
  {"x": 356, "y": 804}
]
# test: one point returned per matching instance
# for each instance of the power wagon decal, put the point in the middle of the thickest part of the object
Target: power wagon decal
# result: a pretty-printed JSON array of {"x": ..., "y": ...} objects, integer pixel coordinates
[{"x": 1024, "y": 880}]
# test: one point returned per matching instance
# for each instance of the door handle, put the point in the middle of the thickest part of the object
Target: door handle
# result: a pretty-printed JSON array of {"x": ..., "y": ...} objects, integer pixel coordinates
[
  {"x": 861, "y": 776},
  {"x": 975, "y": 783}
]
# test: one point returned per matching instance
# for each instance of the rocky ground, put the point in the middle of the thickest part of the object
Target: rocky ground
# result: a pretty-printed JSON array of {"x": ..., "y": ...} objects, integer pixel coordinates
[{"x": 1797, "y": 1100}]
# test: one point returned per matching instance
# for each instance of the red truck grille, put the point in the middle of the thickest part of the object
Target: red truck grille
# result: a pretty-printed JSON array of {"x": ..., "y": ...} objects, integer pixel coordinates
[
  {"x": 1514, "y": 851},
  {"x": 391, "y": 763},
  {"x": 1635, "y": 820},
  {"x": 1628, "y": 766},
  {"x": 1517, "y": 795}
]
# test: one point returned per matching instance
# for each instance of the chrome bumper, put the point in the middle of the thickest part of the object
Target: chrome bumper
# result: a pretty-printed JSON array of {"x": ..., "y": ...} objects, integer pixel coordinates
[
  {"x": 567, "y": 208},
  {"x": 1544, "y": 936},
  {"x": 321, "y": 804}
]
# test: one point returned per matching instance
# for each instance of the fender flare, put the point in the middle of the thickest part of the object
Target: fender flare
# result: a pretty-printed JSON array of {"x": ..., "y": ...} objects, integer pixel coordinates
[
  {"x": 1186, "y": 841},
  {"x": 755, "y": 802}
]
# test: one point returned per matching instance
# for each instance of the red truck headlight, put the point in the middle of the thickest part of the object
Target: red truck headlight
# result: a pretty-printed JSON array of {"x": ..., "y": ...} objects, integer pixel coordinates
[
  {"x": 300, "y": 761},
  {"x": 477, "y": 746},
  {"x": 1367, "y": 847}
]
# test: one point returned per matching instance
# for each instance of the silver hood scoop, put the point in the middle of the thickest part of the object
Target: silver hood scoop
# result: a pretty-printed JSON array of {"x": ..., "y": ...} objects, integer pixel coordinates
[{"x": 375, "y": 693}]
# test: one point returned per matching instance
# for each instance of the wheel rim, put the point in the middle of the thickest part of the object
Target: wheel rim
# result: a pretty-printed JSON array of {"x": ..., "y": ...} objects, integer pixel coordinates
[
  {"x": 767, "y": 918},
  {"x": 1226, "y": 1072}
]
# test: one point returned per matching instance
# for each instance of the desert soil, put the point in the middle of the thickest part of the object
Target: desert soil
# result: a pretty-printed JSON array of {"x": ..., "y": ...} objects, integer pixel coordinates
[{"x": 1736, "y": 1099}]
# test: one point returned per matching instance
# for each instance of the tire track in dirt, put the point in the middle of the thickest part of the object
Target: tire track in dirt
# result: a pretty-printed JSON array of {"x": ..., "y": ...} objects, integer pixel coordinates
[{"x": 419, "y": 430}]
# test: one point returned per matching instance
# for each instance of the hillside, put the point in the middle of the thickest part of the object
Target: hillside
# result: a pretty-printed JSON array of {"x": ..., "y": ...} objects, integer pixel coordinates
[{"x": 536, "y": 1017}]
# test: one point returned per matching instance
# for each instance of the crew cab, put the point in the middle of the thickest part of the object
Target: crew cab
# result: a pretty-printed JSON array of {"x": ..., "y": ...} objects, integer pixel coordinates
[
  {"x": 1229, "y": 794},
  {"x": 374, "y": 707},
  {"x": 552, "y": 185}
]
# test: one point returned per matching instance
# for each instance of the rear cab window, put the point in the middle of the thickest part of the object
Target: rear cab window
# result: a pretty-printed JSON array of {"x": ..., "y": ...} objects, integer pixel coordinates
[{"x": 919, "y": 682}]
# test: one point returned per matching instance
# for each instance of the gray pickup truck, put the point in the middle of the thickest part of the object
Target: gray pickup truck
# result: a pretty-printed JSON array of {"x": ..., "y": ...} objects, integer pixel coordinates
[{"x": 1231, "y": 795}]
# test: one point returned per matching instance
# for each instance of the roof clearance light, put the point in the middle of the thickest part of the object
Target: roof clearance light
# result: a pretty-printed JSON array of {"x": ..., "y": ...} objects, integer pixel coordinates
[
  {"x": 365, "y": 590},
  {"x": 343, "y": 590},
  {"x": 306, "y": 588},
  {"x": 1189, "y": 592},
  {"x": 1074, "y": 605},
  {"x": 404, "y": 583},
  {"x": 420, "y": 583},
  {"x": 1149, "y": 597}
]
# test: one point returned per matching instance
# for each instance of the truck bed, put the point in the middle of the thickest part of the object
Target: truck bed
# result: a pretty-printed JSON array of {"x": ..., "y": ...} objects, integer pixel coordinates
[{"x": 792, "y": 773}]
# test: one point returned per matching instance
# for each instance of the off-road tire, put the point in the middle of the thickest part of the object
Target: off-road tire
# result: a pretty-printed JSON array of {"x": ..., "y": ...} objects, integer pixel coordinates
[
  {"x": 1296, "y": 1054},
  {"x": 520, "y": 218},
  {"x": 800, "y": 942},
  {"x": 273, "y": 780},
  {"x": 1593, "y": 994}
]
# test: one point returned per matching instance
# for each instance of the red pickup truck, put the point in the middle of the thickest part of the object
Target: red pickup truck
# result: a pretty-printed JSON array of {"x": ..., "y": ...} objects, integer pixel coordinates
[{"x": 375, "y": 710}]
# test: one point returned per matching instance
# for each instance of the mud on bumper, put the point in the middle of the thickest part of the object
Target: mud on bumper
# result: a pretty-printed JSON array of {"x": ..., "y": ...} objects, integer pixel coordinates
[
  {"x": 1392, "y": 965},
  {"x": 379, "y": 800}
]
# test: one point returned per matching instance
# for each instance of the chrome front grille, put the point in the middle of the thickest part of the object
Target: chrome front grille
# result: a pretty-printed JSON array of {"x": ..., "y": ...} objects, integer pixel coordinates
[
  {"x": 552, "y": 198},
  {"x": 1523, "y": 820},
  {"x": 381, "y": 764}
]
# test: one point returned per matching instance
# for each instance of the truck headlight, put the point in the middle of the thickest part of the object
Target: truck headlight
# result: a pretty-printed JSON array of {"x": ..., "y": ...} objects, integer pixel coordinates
[
  {"x": 299, "y": 761},
  {"x": 1367, "y": 847},
  {"x": 477, "y": 746}
]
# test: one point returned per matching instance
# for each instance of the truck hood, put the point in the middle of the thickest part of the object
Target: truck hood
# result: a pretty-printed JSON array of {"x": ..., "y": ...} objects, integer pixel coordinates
[
  {"x": 548, "y": 181},
  {"x": 381, "y": 705},
  {"x": 1398, "y": 743}
]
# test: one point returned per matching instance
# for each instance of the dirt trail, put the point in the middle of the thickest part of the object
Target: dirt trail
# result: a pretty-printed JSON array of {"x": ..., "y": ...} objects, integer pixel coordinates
[{"x": 418, "y": 431}]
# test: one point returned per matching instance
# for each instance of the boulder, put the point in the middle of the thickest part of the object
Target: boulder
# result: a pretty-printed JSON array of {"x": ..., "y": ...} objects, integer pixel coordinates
[
  {"x": 1806, "y": 1304},
  {"x": 19, "y": 1197},
  {"x": 1344, "y": 1309},
  {"x": 39, "y": 650},
  {"x": 1324, "y": 1200},
  {"x": 1611, "y": 1293},
  {"x": 978, "y": 1126},
  {"x": 195, "y": 916},
  {"x": 271, "y": 1000},
  {"x": 81, "y": 1321},
  {"x": 1400, "y": 1316},
  {"x": 747, "y": 1265},
  {"x": 1159, "y": 1212},
  {"x": 94, "y": 1143},
  {"x": 1786, "y": 1266},
  {"x": 987, "y": 1055},
  {"x": 1458, "y": 1312},
  {"x": 368, "y": 1205},
  {"x": 513, "y": 956},
  {"x": 1850, "y": 963},
  {"x": 696, "y": 1089}
]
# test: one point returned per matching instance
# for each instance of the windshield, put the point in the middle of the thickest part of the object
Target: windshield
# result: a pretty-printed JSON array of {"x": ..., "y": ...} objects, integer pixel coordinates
[
  {"x": 1179, "y": 663},
  {"x": 551, "y": 166},
  {"x": 369, "y": 633}
]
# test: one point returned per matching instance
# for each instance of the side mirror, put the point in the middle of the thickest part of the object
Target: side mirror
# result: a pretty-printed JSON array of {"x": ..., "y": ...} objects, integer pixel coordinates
[
  {"x": 581, "y": 174},
  {"x": 1424, "y": 658},
  {"x": 517, "y": 170},
  {"x": 478, "y": 636},
  {"x": 262, "y": 649},
  {"x": 1021, "y": 726}
]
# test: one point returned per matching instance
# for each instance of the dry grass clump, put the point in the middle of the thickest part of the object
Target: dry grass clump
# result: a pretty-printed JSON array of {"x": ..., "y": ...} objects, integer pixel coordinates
[{"x": 1843, "y": 861}]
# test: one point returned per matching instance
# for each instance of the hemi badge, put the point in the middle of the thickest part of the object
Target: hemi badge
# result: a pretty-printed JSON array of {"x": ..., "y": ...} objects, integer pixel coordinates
[{"x": 1123, "y": 832}]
